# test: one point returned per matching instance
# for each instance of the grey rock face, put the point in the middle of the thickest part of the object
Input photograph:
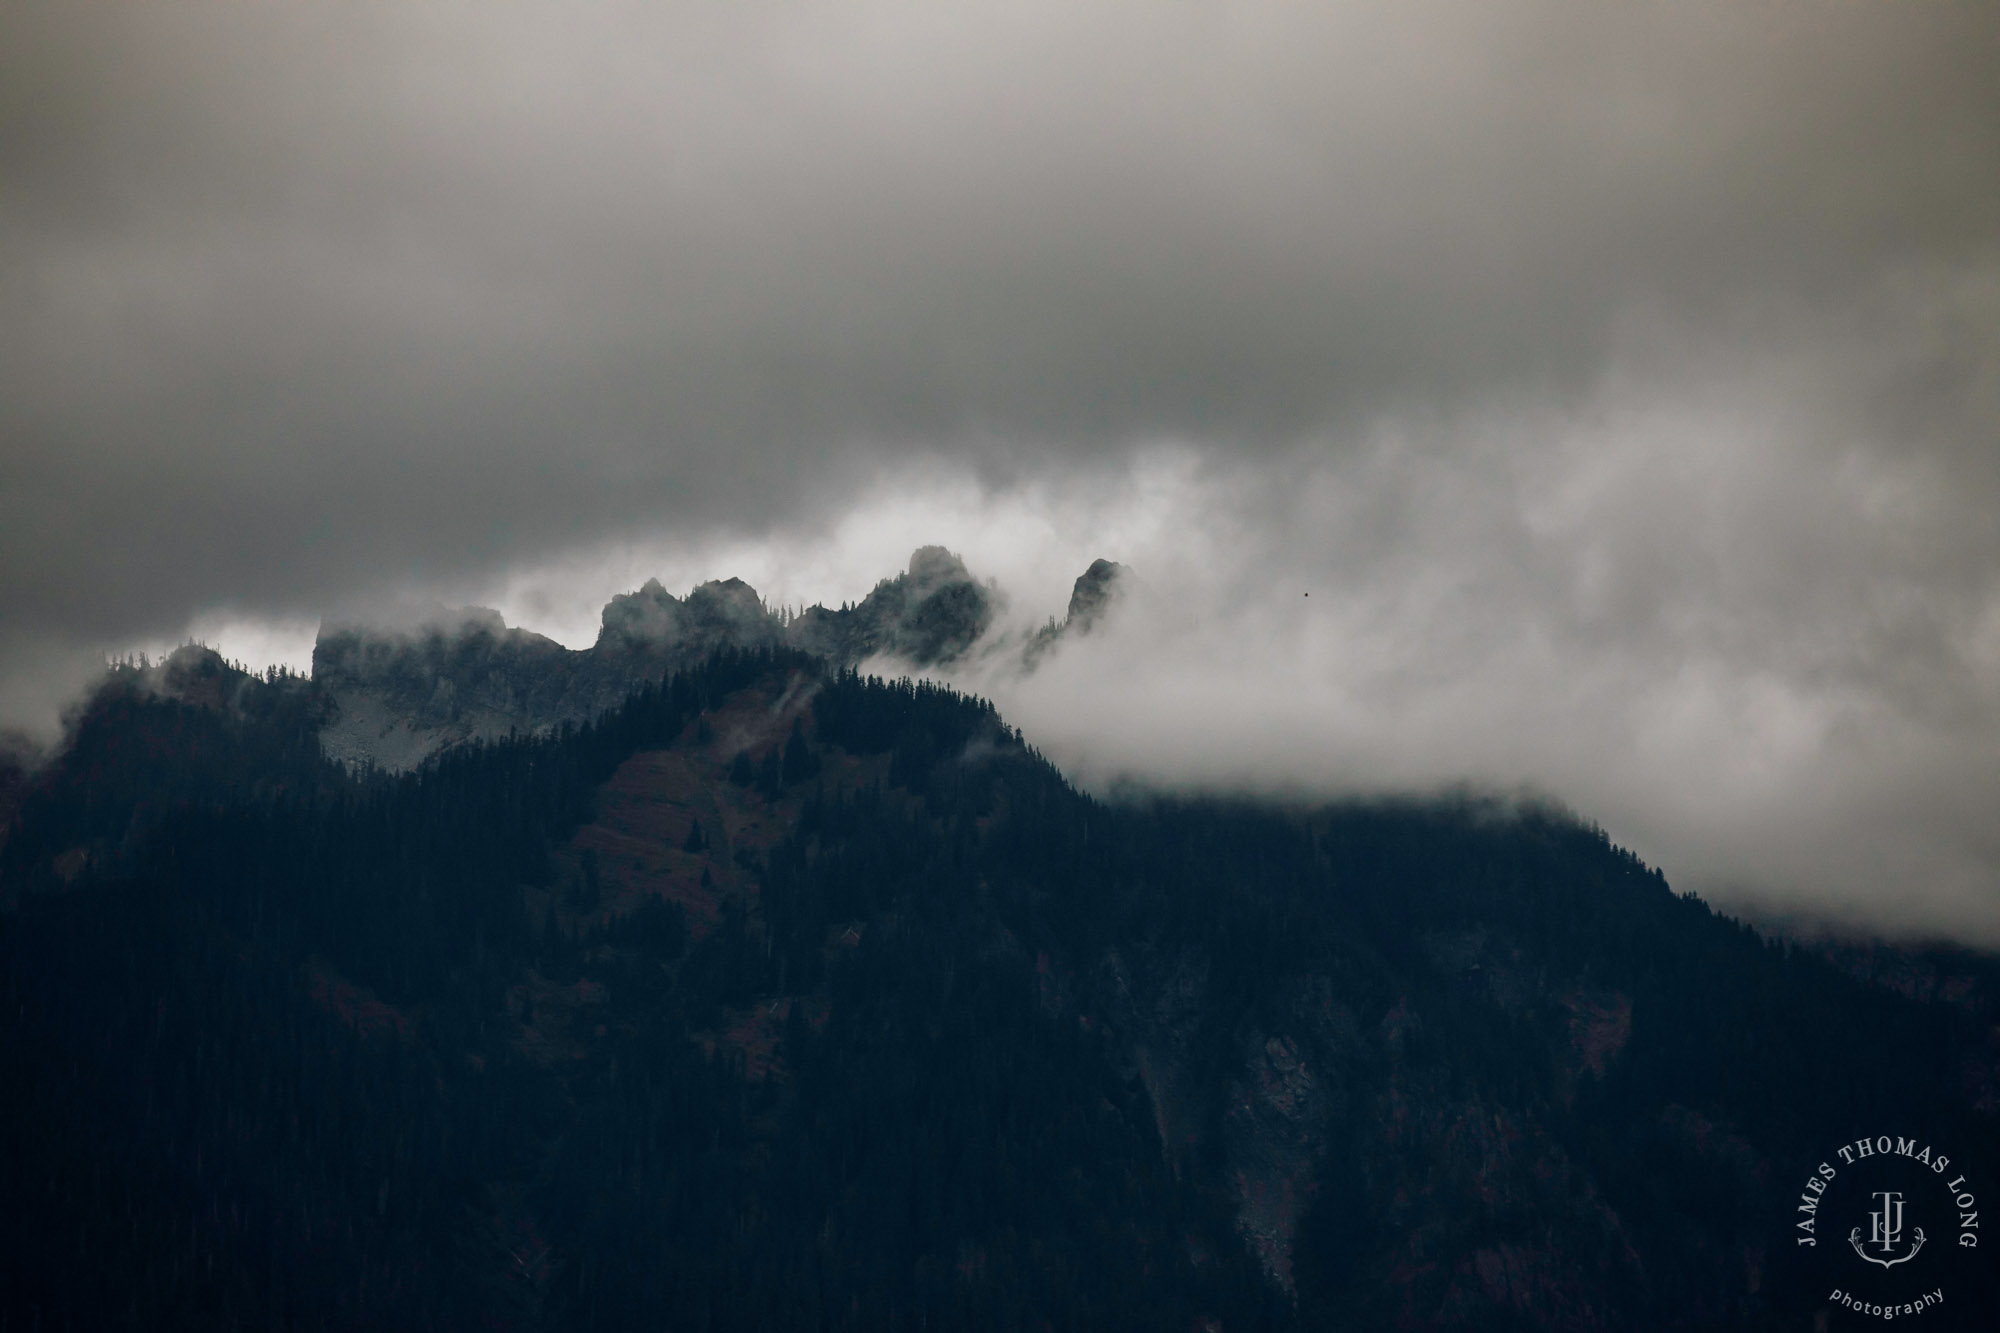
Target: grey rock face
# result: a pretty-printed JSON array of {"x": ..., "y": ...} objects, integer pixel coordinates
[
  {"x": 653, "y": 621},
  {"x": 1092, "y": 596},
  {"x": 1091, "y": 599},
  {"x": 1263, "y": 1111},
  {"x": 932, "y": 613},
  {"x": 400, "y": 696},
  {"x": 928, "y": 615}
]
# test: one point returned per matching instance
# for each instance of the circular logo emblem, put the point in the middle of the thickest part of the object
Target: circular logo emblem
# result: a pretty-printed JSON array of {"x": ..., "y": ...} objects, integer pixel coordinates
[{"x": 1888, "y": 1228}]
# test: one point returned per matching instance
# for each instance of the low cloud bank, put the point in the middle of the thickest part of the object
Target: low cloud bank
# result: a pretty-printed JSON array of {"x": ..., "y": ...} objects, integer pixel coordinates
[{"x": 1759, "y": 649}]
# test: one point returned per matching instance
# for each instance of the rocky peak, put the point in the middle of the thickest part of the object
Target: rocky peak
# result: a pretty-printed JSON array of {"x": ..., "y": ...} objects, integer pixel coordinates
[
  {"x": 1092, "y": 596},
  {"x": 729, "y": 611},
  {"x": 724, "y": 613},
  {"x": 929, "y": 615},
  {"x": 934, "y": 612},
  {"x": 651, "y": 615},
  {"x": 932, "y": 567}
]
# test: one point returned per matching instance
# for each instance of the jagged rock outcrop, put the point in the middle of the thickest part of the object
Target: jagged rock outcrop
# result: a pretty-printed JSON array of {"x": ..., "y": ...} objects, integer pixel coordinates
[
  {"x": 655, "y": 623},
  {"x": 1091, "y": 599},
  {"x": 927, "y": 616},
  {"x": 399, "y": 696},
  {"x": 1093, "y": 594}
]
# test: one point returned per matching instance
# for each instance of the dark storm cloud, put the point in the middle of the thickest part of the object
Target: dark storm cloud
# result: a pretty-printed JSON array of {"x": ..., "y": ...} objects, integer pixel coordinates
[{"x": 1641, "y": 343}]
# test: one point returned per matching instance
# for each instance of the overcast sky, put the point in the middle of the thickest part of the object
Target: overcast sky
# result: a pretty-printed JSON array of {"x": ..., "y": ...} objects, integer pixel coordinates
[{"x": 1622, "y": 382}]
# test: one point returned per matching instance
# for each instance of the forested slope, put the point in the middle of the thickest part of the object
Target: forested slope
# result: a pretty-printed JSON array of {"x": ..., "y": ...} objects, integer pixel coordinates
[{"x": 781, "y": 998}]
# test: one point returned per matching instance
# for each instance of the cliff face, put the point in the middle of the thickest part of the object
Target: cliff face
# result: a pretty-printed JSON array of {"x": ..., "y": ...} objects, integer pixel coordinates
[{"x": 399, "y": 697}]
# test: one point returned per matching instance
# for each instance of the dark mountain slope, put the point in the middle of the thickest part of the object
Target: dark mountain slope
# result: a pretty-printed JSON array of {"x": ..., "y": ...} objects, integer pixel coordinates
[{"x": 786, "y": 999}]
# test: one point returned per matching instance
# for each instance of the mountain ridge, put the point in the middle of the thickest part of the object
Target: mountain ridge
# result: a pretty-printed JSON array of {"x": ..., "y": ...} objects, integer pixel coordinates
[
  {"x": 780, "y": 996},
  {"x": 400, "y": 695}
]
